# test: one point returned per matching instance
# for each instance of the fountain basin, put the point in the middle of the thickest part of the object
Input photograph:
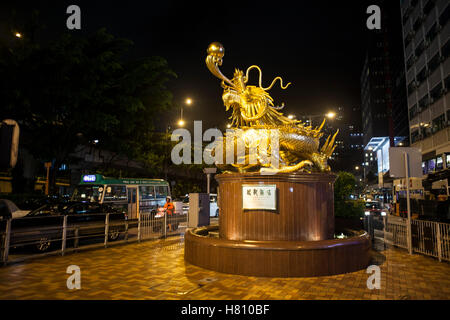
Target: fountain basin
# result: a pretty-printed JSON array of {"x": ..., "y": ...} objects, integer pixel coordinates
[{"x": 276, "y": 258}]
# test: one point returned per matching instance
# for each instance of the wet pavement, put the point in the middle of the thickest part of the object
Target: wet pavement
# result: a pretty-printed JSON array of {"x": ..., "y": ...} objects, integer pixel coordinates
[{"x": 156, "y": 270}]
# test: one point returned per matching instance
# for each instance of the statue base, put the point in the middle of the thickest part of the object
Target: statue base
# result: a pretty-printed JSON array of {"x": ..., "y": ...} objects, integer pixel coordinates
[{"x": 294, "y": 239}]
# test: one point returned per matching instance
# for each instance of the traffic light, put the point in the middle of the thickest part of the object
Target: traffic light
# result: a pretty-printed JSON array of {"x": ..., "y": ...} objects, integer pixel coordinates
[{"x": 9, "y": 143}]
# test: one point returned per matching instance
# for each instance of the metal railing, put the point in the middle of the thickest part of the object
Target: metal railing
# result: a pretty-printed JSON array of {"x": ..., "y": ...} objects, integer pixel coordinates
[
  {"x": 40, "y": 236},
  {"x": 397, "y": 228},
  {"x": 428, "y": 237}
]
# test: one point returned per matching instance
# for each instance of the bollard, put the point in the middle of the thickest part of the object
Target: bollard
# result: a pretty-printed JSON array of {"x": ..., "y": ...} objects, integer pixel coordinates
[
  {"x": 438, "y": 237},
  {"x": 165, "y": 224},
  {"x": 106, "y": 229},
  {"x": 64, "y": 235},
  {"x": 6, "y": 242},
  {"x": 75, "y": 243},
  {"x": 139, "y": 228}
]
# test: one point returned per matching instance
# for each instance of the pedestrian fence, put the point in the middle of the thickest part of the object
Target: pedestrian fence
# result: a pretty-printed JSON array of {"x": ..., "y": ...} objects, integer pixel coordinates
[
  {"x": 427, "y": 237},
  {"x": 30, "y": 237}
]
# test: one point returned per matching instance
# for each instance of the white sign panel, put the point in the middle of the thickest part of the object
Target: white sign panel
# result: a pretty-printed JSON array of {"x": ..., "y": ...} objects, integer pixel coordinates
[
  {"x": 259, "y": 197},
  {"x": 397, "y": 162}
]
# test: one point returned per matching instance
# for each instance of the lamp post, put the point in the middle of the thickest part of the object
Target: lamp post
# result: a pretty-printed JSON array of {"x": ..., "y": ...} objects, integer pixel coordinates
[
  {"x": 188, "y": 102},
  {"x": 330, "y": 115},
  {"x": 47, "y": 165},
  {"x": 208, "y": 172}
]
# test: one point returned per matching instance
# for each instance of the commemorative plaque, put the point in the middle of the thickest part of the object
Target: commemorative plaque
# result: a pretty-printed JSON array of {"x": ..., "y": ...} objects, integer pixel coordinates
[{"x": 259, "y": 197}]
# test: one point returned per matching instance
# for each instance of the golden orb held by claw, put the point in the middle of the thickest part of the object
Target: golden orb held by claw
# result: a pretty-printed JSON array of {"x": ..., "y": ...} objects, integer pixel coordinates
[{"x": 216, "y": 49}]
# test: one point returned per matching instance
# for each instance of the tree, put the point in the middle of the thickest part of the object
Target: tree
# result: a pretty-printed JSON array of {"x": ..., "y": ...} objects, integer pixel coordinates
[
  {"x": 343, "y": 188},
  {"x": 79, "y": 89}
]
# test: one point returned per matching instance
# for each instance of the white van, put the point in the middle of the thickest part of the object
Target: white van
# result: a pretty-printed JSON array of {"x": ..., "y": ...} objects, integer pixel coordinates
[{"x": 213, "y": 206}]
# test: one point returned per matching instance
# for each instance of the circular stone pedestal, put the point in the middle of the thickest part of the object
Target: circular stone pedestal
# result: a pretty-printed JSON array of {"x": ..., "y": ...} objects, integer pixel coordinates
[{"x": 294, "y": 240}]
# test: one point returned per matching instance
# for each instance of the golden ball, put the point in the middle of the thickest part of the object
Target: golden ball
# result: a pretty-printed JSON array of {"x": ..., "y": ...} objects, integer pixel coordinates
[{"x": 216, "y": 49}]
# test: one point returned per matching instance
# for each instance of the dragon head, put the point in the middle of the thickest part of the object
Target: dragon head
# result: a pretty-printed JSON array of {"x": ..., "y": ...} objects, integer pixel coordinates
[{"x": 250, "y": 103}]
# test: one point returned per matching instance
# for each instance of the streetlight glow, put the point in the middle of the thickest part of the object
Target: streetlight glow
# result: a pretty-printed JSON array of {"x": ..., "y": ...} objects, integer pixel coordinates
[
  {"x": 181, "y": 123},
  {"x": 330, "y": 115},
  {"x": 356, "y": 168},
  {"x": 291, "y": 116},
  {"x": 18, "y": 35},
  {"x": 188, "y": 101}
]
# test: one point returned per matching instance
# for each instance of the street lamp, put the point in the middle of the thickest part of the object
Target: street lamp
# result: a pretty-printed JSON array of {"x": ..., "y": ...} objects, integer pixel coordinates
[
  {"x": 291, "y": 116},
  {"x": 330, "y": 115},
  {"x": 188, "y": 102},
  {"x": 18, "y": 35},
  {"x": 356, "y": 168}
]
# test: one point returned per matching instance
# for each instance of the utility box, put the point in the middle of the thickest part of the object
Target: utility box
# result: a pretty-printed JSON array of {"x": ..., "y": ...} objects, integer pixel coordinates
[{"x": 198, "y": 210}]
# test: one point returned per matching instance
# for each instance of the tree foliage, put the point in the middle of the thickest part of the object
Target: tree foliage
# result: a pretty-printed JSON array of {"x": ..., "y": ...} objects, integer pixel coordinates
[
  {"x": 343, "y": 188},
  {"x": 79, "y": 89}
]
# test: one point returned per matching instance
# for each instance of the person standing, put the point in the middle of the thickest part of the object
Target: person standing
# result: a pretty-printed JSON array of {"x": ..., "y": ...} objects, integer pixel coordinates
[{"x": 169, "y": 208}]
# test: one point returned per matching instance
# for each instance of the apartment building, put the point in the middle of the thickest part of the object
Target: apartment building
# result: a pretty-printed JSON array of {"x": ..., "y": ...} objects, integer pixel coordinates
[{"x": 426, "y": 34}]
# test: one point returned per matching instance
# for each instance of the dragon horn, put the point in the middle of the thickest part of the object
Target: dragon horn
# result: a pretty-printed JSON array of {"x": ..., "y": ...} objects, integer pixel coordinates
[
  {"x": 324, "y": 147},
  {"x": 321, "y": 126},
  {"x": 330, "y": 147}
]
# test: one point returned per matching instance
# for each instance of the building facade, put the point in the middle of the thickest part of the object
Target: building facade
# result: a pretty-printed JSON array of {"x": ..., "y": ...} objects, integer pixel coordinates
[
  {"x": 426, "y": 35},
  {"x": 383, "y": 90}
]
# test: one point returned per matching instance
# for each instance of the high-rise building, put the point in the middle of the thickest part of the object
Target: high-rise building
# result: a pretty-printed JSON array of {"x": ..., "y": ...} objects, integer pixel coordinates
[
  {"x": 426, "y": 35},
  {"x": 383, "y": 89}
]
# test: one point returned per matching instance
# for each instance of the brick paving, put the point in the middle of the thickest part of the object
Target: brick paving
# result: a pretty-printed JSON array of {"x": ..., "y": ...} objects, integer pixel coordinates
[{"x": 156, "y": 270}]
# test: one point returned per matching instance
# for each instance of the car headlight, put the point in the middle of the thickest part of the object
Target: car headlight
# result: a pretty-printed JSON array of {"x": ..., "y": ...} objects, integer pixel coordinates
[{"x": 367, "y": 213}]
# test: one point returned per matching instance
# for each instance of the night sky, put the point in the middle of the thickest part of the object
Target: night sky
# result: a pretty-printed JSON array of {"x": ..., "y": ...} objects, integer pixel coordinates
[{"x": 319, "y": 46}]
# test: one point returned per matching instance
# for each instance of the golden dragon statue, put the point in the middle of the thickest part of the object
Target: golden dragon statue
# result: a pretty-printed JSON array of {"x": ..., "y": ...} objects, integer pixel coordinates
[{"x": 253, "y": 112}]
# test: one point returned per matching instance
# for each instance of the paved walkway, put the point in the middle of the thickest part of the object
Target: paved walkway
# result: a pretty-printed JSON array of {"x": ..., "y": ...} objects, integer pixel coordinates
[{"x": 156, "y": 270}]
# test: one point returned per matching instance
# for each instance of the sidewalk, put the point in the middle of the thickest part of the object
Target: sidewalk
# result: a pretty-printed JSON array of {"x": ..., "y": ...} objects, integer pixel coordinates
[{"x": 156, "y": 270}]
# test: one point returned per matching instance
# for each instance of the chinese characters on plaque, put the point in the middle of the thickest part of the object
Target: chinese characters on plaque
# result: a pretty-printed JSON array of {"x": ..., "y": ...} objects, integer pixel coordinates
[{"x": 259, "y": 197}]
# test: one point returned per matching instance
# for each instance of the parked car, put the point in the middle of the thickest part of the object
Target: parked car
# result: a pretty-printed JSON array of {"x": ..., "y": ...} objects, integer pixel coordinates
[
  {"x": 8, "y": 209},
  {"x": 43, "y": 226}
]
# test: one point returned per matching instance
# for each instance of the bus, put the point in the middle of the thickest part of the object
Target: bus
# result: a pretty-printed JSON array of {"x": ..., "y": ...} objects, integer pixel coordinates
[{"x": 135, "y": 195}]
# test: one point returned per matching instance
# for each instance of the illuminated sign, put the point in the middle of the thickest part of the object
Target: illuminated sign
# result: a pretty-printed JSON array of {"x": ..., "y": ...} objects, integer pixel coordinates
[
  {"x": 259, "y": 197},
  {"x": 89, "y": 178}
]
